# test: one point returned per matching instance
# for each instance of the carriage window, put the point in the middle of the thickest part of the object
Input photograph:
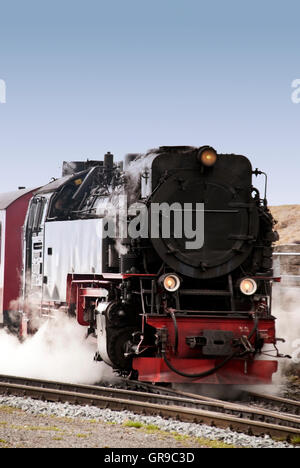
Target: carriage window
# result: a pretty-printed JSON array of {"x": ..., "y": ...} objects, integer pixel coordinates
[
  {"x": 36, "y": 214},
  {"x": 31, "y": 214},
  {"x": 63, "y": 202},
  {"x": 39, "y": 214}
]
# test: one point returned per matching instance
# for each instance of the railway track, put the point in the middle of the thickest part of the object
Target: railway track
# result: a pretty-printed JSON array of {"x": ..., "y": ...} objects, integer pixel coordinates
[
  {"x": 167, "y": 403},
  {"x": 267, "y": 401},
  {"x": 264, "y": 401},
  {"x": 273, "y": 402}
]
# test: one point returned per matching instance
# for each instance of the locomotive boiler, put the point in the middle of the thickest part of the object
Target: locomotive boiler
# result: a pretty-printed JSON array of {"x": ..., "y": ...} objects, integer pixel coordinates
[{"x": 166, "y": 261}]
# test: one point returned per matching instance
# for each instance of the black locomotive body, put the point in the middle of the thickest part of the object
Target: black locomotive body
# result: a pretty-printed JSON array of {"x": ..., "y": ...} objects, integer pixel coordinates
[{"x": 167, "y": 262}]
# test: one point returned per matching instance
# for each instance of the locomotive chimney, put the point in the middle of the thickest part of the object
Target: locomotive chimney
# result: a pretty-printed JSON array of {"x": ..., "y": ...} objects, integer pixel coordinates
[
  {"x": 108, "y": 161},
  {"x": 109, "y": 165}
]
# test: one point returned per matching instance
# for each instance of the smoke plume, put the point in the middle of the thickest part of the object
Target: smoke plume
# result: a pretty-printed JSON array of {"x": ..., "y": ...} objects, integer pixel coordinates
[
  {"x": 286, "y": 302},
  {"x": 58, "y": 351}
]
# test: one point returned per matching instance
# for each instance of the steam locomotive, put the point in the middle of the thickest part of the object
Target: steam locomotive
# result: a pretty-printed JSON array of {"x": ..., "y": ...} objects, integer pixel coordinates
[{"x": 166, "y": 261}]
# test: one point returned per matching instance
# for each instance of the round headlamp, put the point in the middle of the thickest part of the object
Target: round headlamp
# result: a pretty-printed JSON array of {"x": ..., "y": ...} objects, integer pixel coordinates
[
  {"x": 171, "y": 282},
  {"x": 248, "y": 286},
  {"x": 207, "y": 156}
]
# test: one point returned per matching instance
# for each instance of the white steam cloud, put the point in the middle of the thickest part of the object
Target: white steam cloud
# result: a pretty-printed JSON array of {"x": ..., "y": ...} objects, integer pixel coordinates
[
  {"x": 58, "y": 351},
  {"x": 286, "y": 308}
]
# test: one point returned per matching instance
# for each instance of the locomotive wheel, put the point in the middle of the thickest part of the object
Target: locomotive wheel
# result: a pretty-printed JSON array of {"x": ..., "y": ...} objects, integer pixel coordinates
[{"x": 118, "y": 343}]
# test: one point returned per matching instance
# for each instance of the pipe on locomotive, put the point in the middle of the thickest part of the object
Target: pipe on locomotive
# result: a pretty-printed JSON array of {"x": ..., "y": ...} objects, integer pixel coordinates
[{"x": 216, "y": 368}]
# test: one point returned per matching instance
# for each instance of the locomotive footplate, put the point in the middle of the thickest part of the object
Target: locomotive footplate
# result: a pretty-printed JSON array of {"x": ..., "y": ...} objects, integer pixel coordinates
[
  {"x": 199, "y": 344},
  {"x": 236, "y": 372}
]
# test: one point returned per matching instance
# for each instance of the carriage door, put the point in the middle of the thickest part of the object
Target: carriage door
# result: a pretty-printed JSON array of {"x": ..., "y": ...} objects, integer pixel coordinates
[{"x": 34, "y": 240}]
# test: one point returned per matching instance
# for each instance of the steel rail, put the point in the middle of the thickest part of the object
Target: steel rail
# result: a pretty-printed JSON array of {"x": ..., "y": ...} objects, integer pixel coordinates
[
  {"x": 283, "y": 405},
  {"x": 165, "y": 396},
  {"x": 236, "y": 417}
]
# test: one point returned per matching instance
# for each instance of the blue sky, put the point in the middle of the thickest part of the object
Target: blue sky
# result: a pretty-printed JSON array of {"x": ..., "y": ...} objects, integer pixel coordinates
[{"x": 86, "y": 77}]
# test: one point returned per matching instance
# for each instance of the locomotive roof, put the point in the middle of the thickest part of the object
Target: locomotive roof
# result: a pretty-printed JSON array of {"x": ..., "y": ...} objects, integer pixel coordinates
[
  {"x": 58, "y": 183},
  {"x": 6, "y": 199}
]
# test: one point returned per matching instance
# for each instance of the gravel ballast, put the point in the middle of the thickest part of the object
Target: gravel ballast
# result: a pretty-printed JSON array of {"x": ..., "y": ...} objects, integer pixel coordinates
[{"x": 115, "y": 420}]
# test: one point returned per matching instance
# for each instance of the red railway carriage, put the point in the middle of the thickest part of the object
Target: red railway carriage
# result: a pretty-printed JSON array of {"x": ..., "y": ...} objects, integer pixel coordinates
[{"x": 13, "y": 209}]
